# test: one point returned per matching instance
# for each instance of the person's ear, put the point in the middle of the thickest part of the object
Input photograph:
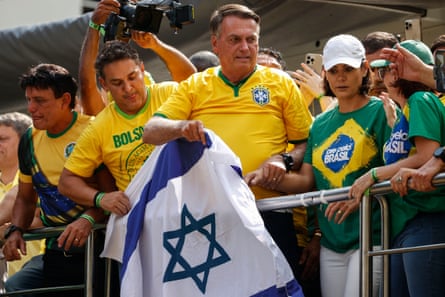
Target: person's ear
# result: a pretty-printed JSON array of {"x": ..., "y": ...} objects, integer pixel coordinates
[
  {"x": 394, "y": 74},
  {"x": 66, "y": 98},
  {"x": 103, "y": 83},
  {"x": 214, "y": 41}
]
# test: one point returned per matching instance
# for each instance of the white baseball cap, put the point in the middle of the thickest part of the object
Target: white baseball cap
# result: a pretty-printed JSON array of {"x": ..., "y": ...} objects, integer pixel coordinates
[{"x": 343, "y": 49}]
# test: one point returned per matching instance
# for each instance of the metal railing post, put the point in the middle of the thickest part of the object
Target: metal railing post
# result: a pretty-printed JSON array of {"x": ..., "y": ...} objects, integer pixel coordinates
[
  {"x": 89, "y": 264},
  {"x": 107, "y": 288},
  {"x": 365, "y": 246},
  {"x": 385, "y": 238}
]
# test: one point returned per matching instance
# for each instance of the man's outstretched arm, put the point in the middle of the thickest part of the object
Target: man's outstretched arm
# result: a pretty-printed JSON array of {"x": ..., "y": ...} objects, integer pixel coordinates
[{"x": 159, "y": 130}]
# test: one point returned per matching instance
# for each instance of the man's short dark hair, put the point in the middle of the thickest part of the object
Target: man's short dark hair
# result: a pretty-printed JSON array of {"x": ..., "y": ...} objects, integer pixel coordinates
[
  {"x": 375, "y": 41},
  {"x": 238, "y": 10},
  {"x": 277, "y": 55},
  {"x": 115, "y": 50},
  {"x": 51, "y": 76},
  {"x": 203, "y": 60}
]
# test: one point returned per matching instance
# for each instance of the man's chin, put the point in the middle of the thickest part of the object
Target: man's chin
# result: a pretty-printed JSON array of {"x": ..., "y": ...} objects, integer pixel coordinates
[
  {"x": 39, "y": 126},
  {"x": 245, "y": 67}
]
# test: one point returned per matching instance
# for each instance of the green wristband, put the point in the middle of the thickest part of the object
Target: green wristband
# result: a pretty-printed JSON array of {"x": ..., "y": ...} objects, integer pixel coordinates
[
  {"x": 88, "y": 218},
  {"x": 97, "y": 27},
  {"x": 98, "y": 197},
  {"x": 367, "y": 192},
  {"x": 374, "y": 175}
]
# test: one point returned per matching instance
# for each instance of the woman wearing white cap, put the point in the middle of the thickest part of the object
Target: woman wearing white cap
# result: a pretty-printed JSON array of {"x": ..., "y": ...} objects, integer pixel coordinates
[{"x": 344, "y": 143}]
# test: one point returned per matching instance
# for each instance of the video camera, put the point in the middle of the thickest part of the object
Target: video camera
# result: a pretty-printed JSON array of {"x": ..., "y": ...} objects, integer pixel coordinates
[{"x": 146, "y": 15}]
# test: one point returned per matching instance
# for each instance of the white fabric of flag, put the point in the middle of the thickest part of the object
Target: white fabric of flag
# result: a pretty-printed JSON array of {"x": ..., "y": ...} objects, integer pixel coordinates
[{"x": 194, "y": 229}]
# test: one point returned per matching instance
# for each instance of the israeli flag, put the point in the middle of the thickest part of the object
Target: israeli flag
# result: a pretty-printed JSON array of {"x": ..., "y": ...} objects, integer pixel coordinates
[{"x": 194, "y": 229}]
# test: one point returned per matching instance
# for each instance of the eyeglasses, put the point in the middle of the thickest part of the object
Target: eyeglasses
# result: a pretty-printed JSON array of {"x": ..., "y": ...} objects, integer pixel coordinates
[{"x": 381, "y": 72}]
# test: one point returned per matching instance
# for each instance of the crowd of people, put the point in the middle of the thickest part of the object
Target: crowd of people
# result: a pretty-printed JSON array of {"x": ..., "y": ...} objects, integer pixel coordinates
[{"x": 379, "y": 117}]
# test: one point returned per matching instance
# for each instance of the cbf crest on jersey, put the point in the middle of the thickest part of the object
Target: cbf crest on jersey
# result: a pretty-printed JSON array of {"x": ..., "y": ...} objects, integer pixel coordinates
[
  {"x": 261, "y": 95},
  {"x": 69, "y": 149}
]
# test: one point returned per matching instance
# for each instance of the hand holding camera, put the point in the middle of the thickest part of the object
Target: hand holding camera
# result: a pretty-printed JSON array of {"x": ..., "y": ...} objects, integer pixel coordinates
[{"x": 146, "y": 16}]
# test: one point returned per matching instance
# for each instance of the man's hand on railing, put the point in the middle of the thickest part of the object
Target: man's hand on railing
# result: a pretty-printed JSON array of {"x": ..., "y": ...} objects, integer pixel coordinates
[
  {"x": 14, "y": 247},
  {"x": 268, "y": 175},
  {"x": 259, "y": 178},
  {"x": 75, "y": 234},
  {"x": 2, "y": 233}
]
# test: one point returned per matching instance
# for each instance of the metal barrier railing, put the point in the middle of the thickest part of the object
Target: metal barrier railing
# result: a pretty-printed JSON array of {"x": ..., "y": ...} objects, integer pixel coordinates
[
  {"x": 366, "y": 249},
  {"x": 46, "y": 232},
  {"x": 281, "y": 202}
]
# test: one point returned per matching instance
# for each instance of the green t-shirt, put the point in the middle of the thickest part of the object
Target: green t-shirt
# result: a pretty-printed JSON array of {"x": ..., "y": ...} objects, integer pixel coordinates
[
  {"x": 428, "y": 113},
  {"x": 341, "y": 148}
]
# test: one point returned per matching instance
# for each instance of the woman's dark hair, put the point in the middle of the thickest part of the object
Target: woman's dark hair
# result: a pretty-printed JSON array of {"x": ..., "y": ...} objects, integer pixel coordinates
[
  {"x": 407, "y": 87},
  {"x": 50, "y": 76}
]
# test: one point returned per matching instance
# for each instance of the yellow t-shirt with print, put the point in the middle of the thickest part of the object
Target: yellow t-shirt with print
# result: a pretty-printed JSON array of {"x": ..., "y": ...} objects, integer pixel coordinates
[
  {"x": 115, "y": 139},
  {"x": 256, "y": 118}
]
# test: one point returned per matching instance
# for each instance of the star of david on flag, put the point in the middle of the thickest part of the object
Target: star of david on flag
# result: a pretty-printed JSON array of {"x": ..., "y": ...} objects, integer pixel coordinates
[
  {"x": 194, "y": 229},
  {"x": 211, "y": 260}
]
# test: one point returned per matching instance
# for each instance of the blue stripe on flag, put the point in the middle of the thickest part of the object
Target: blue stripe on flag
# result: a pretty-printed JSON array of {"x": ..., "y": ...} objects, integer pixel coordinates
[
  {"x": 292, "y": 289},
  {"x": 176, "y": 159}
]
